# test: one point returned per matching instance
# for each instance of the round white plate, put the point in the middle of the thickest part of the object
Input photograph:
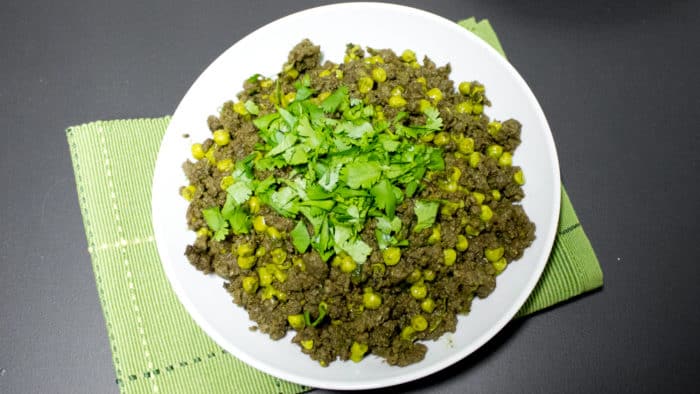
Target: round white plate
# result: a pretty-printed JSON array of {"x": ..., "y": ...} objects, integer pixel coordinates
[{"x": 380, "y": 26}]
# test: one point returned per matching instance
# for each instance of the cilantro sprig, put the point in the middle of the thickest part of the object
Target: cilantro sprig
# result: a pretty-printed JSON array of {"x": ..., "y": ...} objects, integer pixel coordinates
[{"x": 346, "y": 165}]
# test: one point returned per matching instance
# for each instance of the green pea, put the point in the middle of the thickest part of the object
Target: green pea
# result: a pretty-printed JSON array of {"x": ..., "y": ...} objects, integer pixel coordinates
[
  {"x": 222, "y": 137},
  {"x": 265, "y": 276},
  {"x": 486, "y": 213},
  {"x": 260, "y": 252},
  {"x": 478, "y": 197},
  {"x": 496, "y": 194},
  {"x": 407, "y": 333},
  {"x": 278, "y": 255},
  {"x": 419, "y": 323},
  {"x": 428, "y": 305},
  {"x": 250, "y": 284},
  {"x": 465, "y": 87},
  {"x": 423, "y": 105},
  {"x": 494, "y": 127},
  {"x": 296, "y": 321},
  {"x": 414, "y": 276},
  {"x": 226, "y": 182},
  {"x": 408, "y": 56},
  {"x": 280, "y": 275},
  {"x": 449, "y": 256},
  {"x": 435, "y": 95},
  {"x": 519, "y": 177},
  {"x": 419, "y": 291},
  {"x": 441, "y": 139},
  {"x": 259, "y": 224},
  {"x": 188, "y": 192},
  {"x": 465, "y": 107},
  {"x": 299, "y": 263},
  {"x": 371, "y": 300},
  {"x": 471, "y": 230},
  {"x": 245, "y": 249},
  {"x": 436, "y": 235},
  {"x": 254, "y": 205},
  {"x": 429, "y": 275},
  {"x": 246, "y": 262},
  {"x": 477, "y": 108},
  {"x": 379, "y": 74},
  {"x": 450, "y": 187},
  {"x": 357, "y": 351},
  {"x": 474, "y": 159},
  {"x": 348, "y": 265},
  {"x": 499, "y": 265},
  {"x": 307, "y": 344},
  {"x": 466, "y": 145},
  {"x": 397, "y": 91},
  {"x": 462, "y": 243},
  {"x": 273, "y": 232},
  {"x": 365, "y": 84},
  {"x": 494, "y": 151},
  {"x": 506, "y": 159},
  {"x": 397, "y": 101},
  {"x": 391, "y": 255},
  {"x": 197, "y": 151},
  {"x": 494, "y": 254}
]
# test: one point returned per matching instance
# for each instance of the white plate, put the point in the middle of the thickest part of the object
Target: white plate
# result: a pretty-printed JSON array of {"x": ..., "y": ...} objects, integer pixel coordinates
[{"x": 379, "y": 26}]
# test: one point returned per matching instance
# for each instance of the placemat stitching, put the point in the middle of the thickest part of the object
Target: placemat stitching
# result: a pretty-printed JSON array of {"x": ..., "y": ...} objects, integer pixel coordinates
[
  {"x": 90, "y": 235},
  {"x": 152, "y": 373},
  {"x": 122, "y": 250}
]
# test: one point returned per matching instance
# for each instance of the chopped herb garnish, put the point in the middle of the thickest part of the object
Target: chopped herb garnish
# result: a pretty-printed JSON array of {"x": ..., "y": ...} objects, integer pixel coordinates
[
  {"x": 216, "y": 222},
  {"x": 345, "y": 167},
  {"x": 426, "y": 211}
]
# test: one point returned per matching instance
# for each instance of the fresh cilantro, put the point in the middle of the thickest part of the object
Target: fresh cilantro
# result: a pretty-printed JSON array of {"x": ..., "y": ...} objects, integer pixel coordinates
[
  {"x": 332, "y": 102},
  {"x": 263, "y": 122},
  {"x": 240, "y": 221},
  {"x": 283, "y": 201},
  {"x": 251, "y": 107},
  {"x": 216, "y": 222},
  {"x": 425, "y": 211},
  {"x": 300, "y": 237},
  {"x": 361, "y": 175},
  {"x": 433, "y": 122},
  {"x": 342, "y": 166},
  {"x": 240, "y": 192},
  {"x": 253, "y": 78},
  {"x": 384, "y": 197}
]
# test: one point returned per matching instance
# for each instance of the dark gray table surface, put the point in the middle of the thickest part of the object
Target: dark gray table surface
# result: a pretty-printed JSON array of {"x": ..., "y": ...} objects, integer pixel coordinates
[{"x": 618, "y": 81}]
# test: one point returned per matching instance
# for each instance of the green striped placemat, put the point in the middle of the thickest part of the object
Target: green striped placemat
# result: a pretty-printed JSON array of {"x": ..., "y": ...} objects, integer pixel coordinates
[{"x": 156, "y": 346}]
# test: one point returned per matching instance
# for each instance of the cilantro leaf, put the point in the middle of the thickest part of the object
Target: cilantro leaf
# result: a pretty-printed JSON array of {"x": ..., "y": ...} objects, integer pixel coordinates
[
  {"x": 303, "y": 93},
  {"x": 283, "y": 201},
  {"x": 358, "y": 131},
  {"x": 425, "y": 211},
  {"x": 361, "y": 175},
  {"x": 384, "y": 197},
  {"x": 240, "y": 221},
  {"x": 251, "y": 107},
  {"x": 288, "y": 117},
  {"x": 216, "y": 222},
  {"x": 434, "y": 122},
  {"x": 240, "y": 192},
  {"x": 263, "y": 122},
  {"x": 332, "y": 102},
  {"x": 300, "y": 237}
]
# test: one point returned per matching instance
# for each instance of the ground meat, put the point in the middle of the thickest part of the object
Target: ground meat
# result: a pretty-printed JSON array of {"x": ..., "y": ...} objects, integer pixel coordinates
[{"x": 267, "y": 276}]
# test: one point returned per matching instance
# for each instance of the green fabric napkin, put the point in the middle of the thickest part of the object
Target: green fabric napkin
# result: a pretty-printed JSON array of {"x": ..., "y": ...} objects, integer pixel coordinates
[{"x": 156, "y": 346}]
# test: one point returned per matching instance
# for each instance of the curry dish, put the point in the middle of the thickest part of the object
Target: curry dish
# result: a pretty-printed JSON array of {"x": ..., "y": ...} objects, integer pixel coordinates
[{"x": 360, "y": 205}]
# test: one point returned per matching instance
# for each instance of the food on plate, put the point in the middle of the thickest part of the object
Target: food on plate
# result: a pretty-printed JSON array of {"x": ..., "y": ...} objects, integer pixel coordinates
[{"x": 360, "y": 205}]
